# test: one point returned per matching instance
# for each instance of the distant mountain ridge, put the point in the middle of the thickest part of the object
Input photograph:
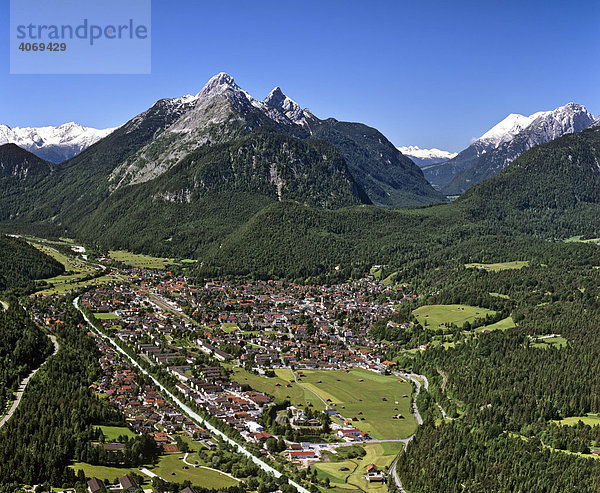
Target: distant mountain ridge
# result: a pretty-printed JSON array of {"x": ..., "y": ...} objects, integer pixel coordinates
[
  {"x": 504, "y": 142},
  {"x": 424, "y": 157},
  {"x": 54, "y": 144}
]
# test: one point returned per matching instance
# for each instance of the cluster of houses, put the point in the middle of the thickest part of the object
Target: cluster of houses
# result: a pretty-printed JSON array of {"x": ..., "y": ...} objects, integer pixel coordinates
[{"x": 145, "y": 409}]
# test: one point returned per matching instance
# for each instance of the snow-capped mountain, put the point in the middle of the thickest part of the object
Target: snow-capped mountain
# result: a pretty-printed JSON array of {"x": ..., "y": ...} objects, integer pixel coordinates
[
  {"x": 540, "y": 127},
  {"x": 503, "y": 143},
  {"x": 425, "y": 157},
  {"x": 54, "y": 144}
]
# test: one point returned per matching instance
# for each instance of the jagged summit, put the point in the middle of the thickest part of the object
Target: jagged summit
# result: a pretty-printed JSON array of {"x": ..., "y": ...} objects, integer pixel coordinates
[{"x": 289, "y": 107}]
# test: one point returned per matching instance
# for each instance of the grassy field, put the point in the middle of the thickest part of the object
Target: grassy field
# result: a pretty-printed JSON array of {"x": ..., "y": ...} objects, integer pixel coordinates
[
  {"x": 589, "y": 419},
  {"x": 170, "y": 467},
  {"x": 69, "y": 286},
  {"x": 390, "y": 279},
  {"x": 228, "y": 327},
  {"x": 382, "y": 455},
  {"x": 139, "y": 260},
  {"x": 297, "y": 394},
  {"x": 111, "y": 433},
  {"x": 76, "y": 268},
  {"x": 577, "y": 239},
  {"x": 557, "y": 342},
  {"x": 359, "y": 394},
  {"x": 505, "y": 323},
  {"x": 438, "y": 315},
  {"x": 517, "y": 264},
  {"x": 105, "y": 316},
  {"x": 102, "y": 472}
]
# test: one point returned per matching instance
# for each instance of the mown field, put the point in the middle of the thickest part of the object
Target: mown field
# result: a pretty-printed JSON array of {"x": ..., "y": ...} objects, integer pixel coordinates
[
  {"x": 438, "y": 315},
  {"x": 547, "y": 342},
  {"x": 112, "y": 433},
  {"x": 365, "y": 395}
]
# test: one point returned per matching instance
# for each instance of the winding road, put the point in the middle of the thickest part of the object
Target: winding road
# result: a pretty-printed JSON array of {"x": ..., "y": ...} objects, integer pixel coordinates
[
  {"x": 199, "y": 420},
  {"x": 24, "y": 383}
]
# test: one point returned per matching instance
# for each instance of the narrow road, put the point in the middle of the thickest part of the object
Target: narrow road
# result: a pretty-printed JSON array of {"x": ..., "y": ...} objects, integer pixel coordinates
[
  {"x": 395, "y": 475},
  {"x": 23, "y": 386},
  {"x": 4, "y": 305},
  {"x": 413, "y": 377},
  {"x": 194, "y": 416}
]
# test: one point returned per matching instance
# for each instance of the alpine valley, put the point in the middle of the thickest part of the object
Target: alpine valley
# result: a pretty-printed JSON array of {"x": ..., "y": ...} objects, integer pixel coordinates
[{"x": 232, "y": 294}]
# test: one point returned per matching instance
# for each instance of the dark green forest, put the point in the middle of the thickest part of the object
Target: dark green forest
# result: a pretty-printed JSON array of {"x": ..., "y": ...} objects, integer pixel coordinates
[
  {"x": 21, "y": 264},
  {"x": 23, "y": 347}
]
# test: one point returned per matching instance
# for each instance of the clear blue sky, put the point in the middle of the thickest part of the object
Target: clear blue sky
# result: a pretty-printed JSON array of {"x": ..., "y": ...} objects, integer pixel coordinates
[{"x": 433, "y": 74}]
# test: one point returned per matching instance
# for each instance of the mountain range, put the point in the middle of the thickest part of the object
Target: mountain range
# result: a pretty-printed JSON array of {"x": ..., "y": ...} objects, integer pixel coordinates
[
  {"x": 268, "y": 189},
  {"x": 503, "y": 143},
  {"x": 207, "y": 163},
  {"x": 54, "y": 144}
]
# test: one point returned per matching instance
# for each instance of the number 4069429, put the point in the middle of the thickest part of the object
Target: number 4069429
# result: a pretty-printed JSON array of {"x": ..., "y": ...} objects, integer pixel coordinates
[{"x": 43, "y": 46}]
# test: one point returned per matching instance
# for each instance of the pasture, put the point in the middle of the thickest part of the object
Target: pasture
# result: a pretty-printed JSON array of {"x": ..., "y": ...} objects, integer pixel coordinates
[
  {"x": 380, "y": 454},
  {"x": 438, "y": 315},
  {"x": 139, "y": 260},
  {"x": 366, "y": 398},
  {"x": 112, "y": 433},
  {"x": 171, "y": 468},
  {"x": 505, "y": 323}
]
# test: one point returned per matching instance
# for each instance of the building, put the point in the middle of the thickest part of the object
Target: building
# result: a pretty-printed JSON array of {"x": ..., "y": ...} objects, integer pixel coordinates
[
  {"x": 96, "y": 486},
  {"x": 374, "y": 475},
  {"x": 128, "y": 483}
]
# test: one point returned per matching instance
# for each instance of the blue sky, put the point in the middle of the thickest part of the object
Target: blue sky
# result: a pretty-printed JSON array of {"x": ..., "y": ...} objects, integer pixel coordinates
[{"x": 433, "y": 74}]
